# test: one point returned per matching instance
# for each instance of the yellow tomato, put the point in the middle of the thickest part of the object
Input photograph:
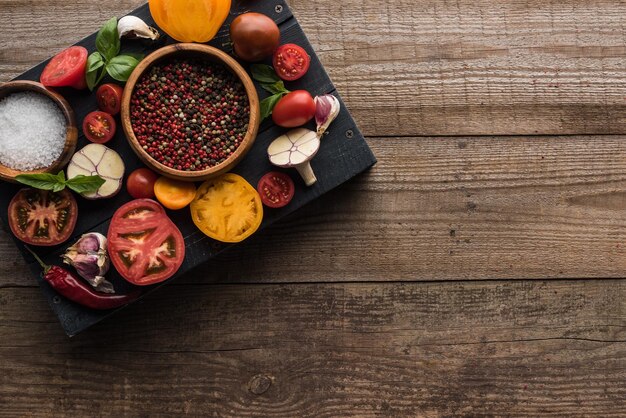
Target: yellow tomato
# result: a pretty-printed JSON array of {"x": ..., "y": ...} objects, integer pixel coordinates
[
  {"x": 174, "y": 194},
  {"x": 227, "y": 209},
  {"x": 190, "y": 20}
]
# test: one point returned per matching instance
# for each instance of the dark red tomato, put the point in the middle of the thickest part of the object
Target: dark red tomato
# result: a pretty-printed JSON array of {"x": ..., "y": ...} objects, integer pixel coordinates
[
  {"x": 43, "y": 218},
  {"x": 99, "y": 127},
  {"x": 276, "y": 189},
  {"x": 291, "y": 62},
  {"x": 140, "y": 183},
  {"x": 109, "y": 98},
  {"x": 254, "y": 36},
  {"x": 66, "y": 69},
  {"x": 144, "y": 244},
  {"x": 293, "y": 110}
]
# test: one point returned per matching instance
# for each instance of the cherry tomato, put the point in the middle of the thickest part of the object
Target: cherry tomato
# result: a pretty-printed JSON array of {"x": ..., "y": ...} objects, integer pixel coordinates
[
  {"x": 99, "y": 127},
  {"x": 254, "y": 36},
  {"x": 293, "y": 110},
  {"x": 174, "y": 194},
  {"x": 145, "y": 246},
  {"x": 140, "y": 183},
  {"x": 66, "y": 69},
  {"x": 276, "y": 189},
  {"x": 109, "y": 98},
  {"x": 291, "y": 62},
  {"x": 40, "y": 217}
]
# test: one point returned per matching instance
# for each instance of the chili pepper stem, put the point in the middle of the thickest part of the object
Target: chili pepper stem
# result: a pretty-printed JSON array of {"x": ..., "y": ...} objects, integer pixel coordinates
[{"x": 43, "y": 265}]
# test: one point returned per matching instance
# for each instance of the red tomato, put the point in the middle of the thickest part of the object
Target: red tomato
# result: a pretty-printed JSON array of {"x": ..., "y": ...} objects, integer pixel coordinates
[
  {"x": 99, "y": 127},
  {"x": 40, "y": 217},
  {"x": 295, "y": 109},
  {"x": 66, "y": 69},
  {"x": 140, "y": 183},
  {"x": 109, "y": 98},
  {"x": 144, "y": 244},
  {"x": 254, "y": 36},
  {"x": 291, "y": 62},
  {"x": 276, "y": 189}
]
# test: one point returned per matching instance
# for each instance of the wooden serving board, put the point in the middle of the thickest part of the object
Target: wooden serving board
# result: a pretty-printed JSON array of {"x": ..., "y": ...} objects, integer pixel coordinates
[{"x": 343, "y": 154}]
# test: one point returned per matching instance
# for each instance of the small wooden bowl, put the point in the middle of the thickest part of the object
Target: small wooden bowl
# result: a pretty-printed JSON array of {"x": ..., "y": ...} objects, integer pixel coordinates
[
  {"x": 210, "y": 54},
  {"x": 71, "y": 135}
]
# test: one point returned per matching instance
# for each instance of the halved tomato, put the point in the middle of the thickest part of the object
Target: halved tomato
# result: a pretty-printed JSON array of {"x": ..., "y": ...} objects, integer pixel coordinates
[
  {"x": 43, "y": 218},
  {"x": 66, "y": 69},
  {"x": 99, "y": 127},
  {"x": 145, "y": 246},
  {"x": 276, "y": 189},
  {"x": 291, "y": 62},
  {"x": 109, "y": 97}
]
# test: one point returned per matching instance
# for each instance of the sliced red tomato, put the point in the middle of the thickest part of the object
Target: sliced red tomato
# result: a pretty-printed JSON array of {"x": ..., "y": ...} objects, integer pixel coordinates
[
  {"x": 109, "y": 97},
  {"x": 66, "y": 69},
  {"x": 99, "y": 127},
  {"x": 144, "y": 244},
  {"x": 291, "y": 62},
  {"x": 43, "y": 218},
  {"x": 276, "y": 189}
]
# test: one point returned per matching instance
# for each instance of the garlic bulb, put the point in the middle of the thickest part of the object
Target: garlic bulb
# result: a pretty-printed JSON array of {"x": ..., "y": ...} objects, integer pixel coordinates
[
  {"x": 327, "y": 109},
  {"x": 90, "y": 259},
  {"x": 134, "y": 27}
]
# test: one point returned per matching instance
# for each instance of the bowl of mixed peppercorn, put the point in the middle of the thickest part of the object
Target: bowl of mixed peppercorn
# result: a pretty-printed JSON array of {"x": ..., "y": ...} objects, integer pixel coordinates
[{"x": 190, "y": 112}]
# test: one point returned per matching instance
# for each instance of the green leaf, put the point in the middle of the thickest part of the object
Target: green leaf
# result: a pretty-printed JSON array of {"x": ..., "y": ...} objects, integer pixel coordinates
[
  {"x": 138, "y": 57},
  {"x": 121, "y": 67},
  {"x": 108, "y": 40},
  {"x": 94, "y": 63},
  {"x": 85, "y": 184},
  {"x": 264, "y": 74},
  {"x": 43, "y": 181},
  {"x": 276, "y": 88},
  {"x": 267, "y": 105}
]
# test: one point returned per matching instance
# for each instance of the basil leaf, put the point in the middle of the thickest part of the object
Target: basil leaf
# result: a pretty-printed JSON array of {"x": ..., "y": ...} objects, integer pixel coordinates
[
  {"x": 264, "y": 74},
  {"x": 108, "y": 40},
  {"x": 276, "y": 88},
  {"x": 94, "y": 62},
  {"x": 121, "y": 67},
  {"x": 85, "y": 184},
  {"x": 138, "y": 57},
  {"x": 43, "y": 181},
  {"x": 267, "y": 105}
]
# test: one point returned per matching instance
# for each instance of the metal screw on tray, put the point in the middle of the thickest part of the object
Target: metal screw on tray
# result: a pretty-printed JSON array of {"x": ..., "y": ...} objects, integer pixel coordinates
[
  {"x": 278, "y": 8},
  {"x": 350, "y": 134},
  {"x": 56, "y": 300}
]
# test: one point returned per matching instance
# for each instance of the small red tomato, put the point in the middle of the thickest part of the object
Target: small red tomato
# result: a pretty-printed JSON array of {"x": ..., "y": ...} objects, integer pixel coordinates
[
  {"x": 66, "y": 69},
  {"x": 293, "y": 110},
  {"x": 276, "y": 189},
  {"x": 99, "y": 127},
  {"x": 291, "y": 62},
  {"x": 109, "y": 97},
  {"x": 140, "y": 183}
]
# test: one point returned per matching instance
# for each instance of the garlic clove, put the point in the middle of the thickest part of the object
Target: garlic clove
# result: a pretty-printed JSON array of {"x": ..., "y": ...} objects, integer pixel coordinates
[
  {"x": 327, "y": 109},
  {"x": 134, "y": 27}
]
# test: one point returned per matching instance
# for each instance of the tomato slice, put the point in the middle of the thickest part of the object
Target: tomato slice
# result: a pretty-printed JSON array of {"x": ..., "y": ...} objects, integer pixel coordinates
[
  {"x": 99, "y": 127},
  {"x": 174, "y": 194},
  {"x": 276, "y": 189},
  {"x": 109, "y": 97},
  {"x": 145, "y": 246},
  {"x": 291, "y": 62},
  {"x": 227, "y": 209},
  {"x": 66, "y": 69},
  {"x": 43, "y": 218}
]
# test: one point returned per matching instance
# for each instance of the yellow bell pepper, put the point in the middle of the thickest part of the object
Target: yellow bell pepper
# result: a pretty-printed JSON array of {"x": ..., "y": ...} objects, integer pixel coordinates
[{"x": 190, "y": 20}]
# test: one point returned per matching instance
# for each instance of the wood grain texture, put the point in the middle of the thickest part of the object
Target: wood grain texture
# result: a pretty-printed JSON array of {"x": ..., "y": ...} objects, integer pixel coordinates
[
  {"x": 524, "y": 348},
  {"x": 446, "y": 209}
]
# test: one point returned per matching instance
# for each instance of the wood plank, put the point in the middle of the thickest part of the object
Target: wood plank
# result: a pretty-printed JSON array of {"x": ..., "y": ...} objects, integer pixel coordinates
[
  {"x": 424, "y": 67},
  {"x": 446, "y": 208},
  {"x": 496, "y": 348}
]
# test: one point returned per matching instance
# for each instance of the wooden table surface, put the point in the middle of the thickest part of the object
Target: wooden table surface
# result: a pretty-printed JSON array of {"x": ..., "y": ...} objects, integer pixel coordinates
[{"x": 476, "y": 270}]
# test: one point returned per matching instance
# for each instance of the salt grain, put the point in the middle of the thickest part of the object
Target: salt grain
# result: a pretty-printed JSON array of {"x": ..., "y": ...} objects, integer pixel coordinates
[{"x": 32, "y": 131}]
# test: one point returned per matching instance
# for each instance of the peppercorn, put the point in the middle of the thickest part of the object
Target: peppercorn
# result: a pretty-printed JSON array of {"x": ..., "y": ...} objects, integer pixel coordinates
[{"x": 186, "y": 114}]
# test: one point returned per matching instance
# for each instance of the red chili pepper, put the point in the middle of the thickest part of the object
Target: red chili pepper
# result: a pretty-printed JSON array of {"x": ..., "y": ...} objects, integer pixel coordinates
[{"x": 77, "y": 291}]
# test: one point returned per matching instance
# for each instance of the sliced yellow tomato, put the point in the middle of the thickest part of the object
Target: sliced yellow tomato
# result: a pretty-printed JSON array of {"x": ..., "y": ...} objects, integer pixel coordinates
[
  {"x": 227, "y": 209},
  {"x": 174, "y": 194}
]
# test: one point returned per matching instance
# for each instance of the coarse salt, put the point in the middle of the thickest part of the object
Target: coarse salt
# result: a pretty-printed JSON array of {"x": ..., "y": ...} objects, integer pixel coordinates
[{"x": 32, "y": 131}]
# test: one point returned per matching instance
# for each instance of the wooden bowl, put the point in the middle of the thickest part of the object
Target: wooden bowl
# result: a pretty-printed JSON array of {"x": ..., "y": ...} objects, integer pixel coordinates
[
  {"x": 206, "y": 53},
  {"x": 71, "y": 135}
]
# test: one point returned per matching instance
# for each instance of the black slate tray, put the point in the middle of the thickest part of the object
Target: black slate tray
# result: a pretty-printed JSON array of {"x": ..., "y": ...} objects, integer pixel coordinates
[{"x": 343, "y": 154}]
